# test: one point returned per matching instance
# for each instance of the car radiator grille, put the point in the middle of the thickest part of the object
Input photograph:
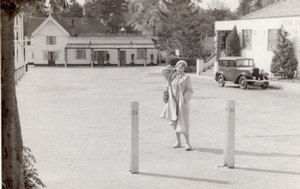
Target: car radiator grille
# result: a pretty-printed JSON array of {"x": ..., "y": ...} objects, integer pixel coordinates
[{"x": 256, "y": 72}]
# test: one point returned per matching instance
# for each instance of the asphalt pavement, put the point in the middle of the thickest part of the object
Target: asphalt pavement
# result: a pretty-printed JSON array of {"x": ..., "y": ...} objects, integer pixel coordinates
[{"x": 77, "y": 123}]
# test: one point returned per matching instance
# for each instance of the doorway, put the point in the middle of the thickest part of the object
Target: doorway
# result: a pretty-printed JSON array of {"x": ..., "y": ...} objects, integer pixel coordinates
[
  {"x": 122, "y": 58},
  {"x": 100, "y": 57},
  {"x": 51, "y": 58}
]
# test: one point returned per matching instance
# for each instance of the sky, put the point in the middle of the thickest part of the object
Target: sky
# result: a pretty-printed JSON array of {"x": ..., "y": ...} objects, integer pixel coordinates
[{"x": 232, "y": 4}]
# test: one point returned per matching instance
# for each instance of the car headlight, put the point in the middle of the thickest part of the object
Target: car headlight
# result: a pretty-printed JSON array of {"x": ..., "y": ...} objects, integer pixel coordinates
[{"x": 251, "y": 71}]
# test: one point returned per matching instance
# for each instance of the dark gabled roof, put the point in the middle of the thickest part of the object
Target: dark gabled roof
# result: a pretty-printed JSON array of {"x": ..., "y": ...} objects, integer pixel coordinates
[
  {"x": 90, "y": 26},
  {"x": 31, "y": 24},
  {"x": 82, "y": 26},
  {"x": 283, "y": 8}
]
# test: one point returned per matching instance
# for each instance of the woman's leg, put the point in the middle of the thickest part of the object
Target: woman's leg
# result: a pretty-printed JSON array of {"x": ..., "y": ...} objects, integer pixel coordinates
[
  {"x": 178, "y": 142},
  {"x": 187, "y": 140}
]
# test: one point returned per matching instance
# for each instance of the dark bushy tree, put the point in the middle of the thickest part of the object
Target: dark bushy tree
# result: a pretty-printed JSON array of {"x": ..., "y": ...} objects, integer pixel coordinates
[
  {"x": 183, "y": 26},
  {"x": 74, "y": 10},
  {"x": 284, "y": 61},
  {"x": 233, "y": 46},
  {"x": 222, "y": 14},
  {"x": 111, "y": 11},
  {"x": 249, "y": 6}
]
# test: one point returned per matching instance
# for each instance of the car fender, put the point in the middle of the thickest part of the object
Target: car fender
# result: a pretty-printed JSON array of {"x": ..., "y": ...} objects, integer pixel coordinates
[
  {"x": 220, "y": 73},
  {"x": 241, "y": 74}
]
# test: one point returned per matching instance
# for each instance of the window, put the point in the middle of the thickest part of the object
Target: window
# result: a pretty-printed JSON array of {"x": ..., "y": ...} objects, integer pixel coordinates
[
  {"x": 247, "y": 39},
  {"x": 224, "y": 63},
  {"x": 50, "y": 40},
  {"x": 80, "y": 54},
  {"x": 273, "y": 37},
  {"x": 231, "y": 63},
  {"x": 141, "y": 54}
]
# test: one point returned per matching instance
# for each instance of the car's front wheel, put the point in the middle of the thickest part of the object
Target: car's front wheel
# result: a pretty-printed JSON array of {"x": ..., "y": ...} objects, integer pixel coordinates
[
  {"x": 243, "y": 82},
  {"x": 265, "y": 85},
  {"x": 221, "y": 80}
]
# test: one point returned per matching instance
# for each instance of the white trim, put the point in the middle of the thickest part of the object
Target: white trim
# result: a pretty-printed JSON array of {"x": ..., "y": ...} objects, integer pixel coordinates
[{"x": 45, "y": 22}]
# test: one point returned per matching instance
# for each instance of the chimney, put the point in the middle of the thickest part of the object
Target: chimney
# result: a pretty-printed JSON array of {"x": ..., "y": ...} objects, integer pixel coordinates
[{"x": 73, "y": 28}]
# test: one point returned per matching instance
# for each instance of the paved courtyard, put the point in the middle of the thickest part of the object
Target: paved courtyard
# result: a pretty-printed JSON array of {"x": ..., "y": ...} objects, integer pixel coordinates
[{"x": 77, "y": 123}]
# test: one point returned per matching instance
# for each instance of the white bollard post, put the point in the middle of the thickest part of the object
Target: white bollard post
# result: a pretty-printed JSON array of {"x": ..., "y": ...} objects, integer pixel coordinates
[
  {"x": 134, "y": 159},
  {"x": 229, "y": 135},
  {"x": 199, "y": 66}
]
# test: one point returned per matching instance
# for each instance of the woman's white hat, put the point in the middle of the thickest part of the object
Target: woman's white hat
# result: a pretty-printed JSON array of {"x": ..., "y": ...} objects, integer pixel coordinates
[{"x": 181, "y": 62}]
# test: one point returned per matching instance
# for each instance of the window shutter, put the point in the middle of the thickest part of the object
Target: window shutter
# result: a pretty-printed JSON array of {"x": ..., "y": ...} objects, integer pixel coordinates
[
  {"x": 45, "y": 57},
  {"x": 56, "y": 55}
]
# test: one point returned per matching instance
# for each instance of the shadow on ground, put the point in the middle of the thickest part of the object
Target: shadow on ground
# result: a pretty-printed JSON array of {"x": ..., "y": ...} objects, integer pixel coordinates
[{"x": 184, "y": 178}]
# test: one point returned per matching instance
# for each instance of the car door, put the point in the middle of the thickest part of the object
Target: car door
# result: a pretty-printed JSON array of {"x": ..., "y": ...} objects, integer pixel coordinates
[
  {"x": 225, "y": 69},
  {"x": 232, "y": 70}
]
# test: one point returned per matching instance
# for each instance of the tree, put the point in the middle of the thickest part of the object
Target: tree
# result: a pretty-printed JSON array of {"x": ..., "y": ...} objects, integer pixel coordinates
[
  {"x": 233, "y": 47},
  {"x": 110, "y": 11},
  {"x": 183, "y": 26},
  {"x": 249, "y": 6},
  {"x": 12, "y": 144},
  {"x": 143, "y": 14},
  {"x": 284, "y": 61},
  {"x": 74, "y": 10}
]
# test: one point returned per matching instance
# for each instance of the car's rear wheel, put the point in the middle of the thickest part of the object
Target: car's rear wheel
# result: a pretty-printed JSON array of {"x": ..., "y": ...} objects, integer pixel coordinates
[
  {"x": 265, "y": 85},
  {"x": 221, "y": 80},
  {"x": 243, "y": 82}
]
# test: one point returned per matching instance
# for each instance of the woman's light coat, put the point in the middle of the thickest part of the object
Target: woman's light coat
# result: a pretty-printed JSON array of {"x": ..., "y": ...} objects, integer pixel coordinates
[{"x": 185, "y": 95}]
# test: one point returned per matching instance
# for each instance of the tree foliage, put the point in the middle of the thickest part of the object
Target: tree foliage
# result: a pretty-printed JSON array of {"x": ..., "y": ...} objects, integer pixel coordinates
[
  {"x": 74, "y": 10},
  {"x": 110, "y": 11},
  {"x": 143, "y": 14},
  {"x": 233, "y": 46},
  {"x": 284, "y": 61},
  {"x": 249, "y": 6},
  {"x": 221, "y": 14},
  {"x": 183, "y": 26}
]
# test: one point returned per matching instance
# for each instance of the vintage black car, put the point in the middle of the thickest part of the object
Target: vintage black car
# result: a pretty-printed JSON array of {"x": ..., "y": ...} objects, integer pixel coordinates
[{"x": 240, "y": 71}]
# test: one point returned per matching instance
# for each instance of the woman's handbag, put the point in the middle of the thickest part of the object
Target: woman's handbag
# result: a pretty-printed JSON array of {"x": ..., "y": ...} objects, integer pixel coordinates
[
  {"x": 166, "y": 92},
  {"x": 166, "y": 96}
]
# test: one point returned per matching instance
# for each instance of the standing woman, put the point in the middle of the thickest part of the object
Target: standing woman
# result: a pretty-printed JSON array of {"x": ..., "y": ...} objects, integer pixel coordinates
[{"x": 177, "y": 108}]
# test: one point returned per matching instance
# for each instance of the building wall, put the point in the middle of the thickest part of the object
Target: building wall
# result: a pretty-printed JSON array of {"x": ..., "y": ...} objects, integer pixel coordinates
[
  {"x": 71, "y": 57},
  {"x": 35, "y": 52},
  {"x": 19, "y": 42},
  {"x": 259, "y": 51},
  {"x": 19, "y": 47},
  {"x": 40, "y": 46}
]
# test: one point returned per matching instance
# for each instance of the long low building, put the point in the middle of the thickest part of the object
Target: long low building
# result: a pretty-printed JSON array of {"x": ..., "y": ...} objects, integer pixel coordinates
[
  {"x": 258, "y": 32},
  {"x": 56, "y": 41}
]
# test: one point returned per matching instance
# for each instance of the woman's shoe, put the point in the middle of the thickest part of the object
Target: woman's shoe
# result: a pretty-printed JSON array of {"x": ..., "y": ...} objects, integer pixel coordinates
[
  {"x": 177, "y": 145},
  {"x": 188, "y": 147}
]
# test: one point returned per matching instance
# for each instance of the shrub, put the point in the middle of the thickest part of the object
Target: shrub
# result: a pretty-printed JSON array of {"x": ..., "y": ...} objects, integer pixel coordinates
[
  {"x": 233, "y": 46},
  {"x": 284, "y": 62},
  {"x": 30, "y": 173}
]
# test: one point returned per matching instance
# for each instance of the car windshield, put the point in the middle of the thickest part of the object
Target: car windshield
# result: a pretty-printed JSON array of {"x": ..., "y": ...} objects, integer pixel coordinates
[{"x": 245, "y": 63}]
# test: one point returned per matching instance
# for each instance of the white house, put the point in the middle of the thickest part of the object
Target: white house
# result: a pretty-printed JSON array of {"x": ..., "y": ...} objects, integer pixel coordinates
[
  {"x": 19, "y": 47},
  {"x": 83, "y": 41},
  {"x": 259, "y": 32}
]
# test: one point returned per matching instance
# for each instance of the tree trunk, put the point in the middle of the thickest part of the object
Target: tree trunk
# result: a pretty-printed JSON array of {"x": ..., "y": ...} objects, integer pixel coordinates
[{"x": 12, "y": 144}]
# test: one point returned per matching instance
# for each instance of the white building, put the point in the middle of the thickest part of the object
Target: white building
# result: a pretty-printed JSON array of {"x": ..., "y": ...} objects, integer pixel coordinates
[
  {"x": 19, "y": 47},
  {"x": 59, "y": 41},
  {"x": 259, "y": 32}
]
